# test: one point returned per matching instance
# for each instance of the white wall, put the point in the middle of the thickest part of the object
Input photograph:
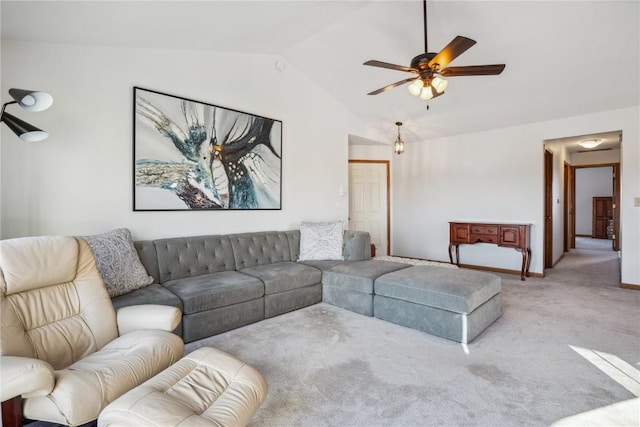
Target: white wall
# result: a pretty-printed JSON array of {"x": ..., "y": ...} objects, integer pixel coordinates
[
  {"x": 595, "y": 158},
  {"x": 590, "y": 183},
  {"x": 79, "y": 181},
  {"x": 498, "y": 175}
]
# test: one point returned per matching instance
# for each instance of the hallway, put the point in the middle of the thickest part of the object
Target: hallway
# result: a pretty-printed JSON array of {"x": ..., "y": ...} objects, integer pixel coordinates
[{"x": 591, "y": 263}]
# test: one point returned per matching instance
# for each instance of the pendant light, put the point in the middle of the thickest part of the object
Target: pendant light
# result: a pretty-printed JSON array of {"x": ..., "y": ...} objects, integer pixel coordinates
[{"x": 398, "y": 147}]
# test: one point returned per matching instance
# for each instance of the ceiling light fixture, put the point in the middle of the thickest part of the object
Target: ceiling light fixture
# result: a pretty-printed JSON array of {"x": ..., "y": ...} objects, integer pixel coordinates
[
  {"x": 590, "y": 143},
  {"x": 429, "y": 67},
  {"x": 429, "y": 88},
  {"x": 29, "y": 100},
  {"x": 398, "y": 147}
]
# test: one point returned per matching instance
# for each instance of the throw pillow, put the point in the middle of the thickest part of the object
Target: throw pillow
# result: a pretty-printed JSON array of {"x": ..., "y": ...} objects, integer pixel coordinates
[
  {"x": 321, "y": 241},
  {"x": 118, "y": 262}
]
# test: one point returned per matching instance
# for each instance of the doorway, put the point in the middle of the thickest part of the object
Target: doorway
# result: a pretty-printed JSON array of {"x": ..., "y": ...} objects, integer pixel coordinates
[
  {"x": 548, "y": 208},
  {"x": 573, "y": 233},
  {"x": 595, "y": 196},
  {"x": 369, "y": 201}
]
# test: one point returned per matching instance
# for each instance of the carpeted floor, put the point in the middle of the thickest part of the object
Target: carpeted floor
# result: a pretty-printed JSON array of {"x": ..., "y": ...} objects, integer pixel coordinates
[
  {"x": 330, "y": 367},
  {"x": 593, "y": 244}
]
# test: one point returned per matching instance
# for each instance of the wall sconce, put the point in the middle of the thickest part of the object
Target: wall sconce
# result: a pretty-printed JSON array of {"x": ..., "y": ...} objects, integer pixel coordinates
[
  {"x": 398, "y": 147},
  {"x": 29, "y": 100}
]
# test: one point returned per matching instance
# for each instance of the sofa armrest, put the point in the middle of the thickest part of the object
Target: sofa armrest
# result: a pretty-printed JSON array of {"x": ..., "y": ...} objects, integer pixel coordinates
[
  {"x": 24, "y": 376},
  {"x": 148, "y": 316}
]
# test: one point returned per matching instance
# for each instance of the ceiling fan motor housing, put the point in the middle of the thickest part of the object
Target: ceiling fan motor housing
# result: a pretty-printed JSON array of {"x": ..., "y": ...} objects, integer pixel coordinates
[{"x": 421, "y": 62}]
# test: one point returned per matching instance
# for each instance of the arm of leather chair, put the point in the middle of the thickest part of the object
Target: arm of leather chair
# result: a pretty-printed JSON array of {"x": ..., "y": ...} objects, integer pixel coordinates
[
  {"x": 148, "y": 316},
  {"x": 25, "y": 376}
]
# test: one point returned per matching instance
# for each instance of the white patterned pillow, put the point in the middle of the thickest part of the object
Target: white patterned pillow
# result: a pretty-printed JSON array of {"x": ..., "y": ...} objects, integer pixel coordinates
[
  {"x": 321, "y": 241},
  {"x": 118, "y": 262}
]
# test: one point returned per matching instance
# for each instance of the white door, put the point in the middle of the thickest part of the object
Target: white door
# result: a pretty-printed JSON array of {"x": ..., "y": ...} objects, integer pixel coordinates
[{"x": 368, "y": 210}]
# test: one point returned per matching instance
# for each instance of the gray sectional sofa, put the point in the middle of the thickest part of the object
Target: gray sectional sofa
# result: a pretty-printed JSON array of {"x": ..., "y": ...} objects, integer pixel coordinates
[{"x": 224, "y": 282}]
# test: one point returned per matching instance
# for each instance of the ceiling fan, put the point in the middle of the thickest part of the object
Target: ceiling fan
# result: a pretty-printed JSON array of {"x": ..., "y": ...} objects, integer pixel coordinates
[{"x": 430, "y": 66}]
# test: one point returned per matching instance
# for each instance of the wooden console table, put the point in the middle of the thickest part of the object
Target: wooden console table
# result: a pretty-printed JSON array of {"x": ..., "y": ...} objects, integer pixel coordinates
[{"x": 506, "y": 235}]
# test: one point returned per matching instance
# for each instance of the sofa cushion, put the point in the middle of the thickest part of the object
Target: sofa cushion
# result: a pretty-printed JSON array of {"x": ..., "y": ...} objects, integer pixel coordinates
[
  {"x": 323, "y": 265},
  {"x": 456, "y": 290},
  {"x": 182, "y": 257},
  {"x": 267, "y": 247},
  {"x": 321, "y": 241},
  {"x": 214, "y": 290},
  {"x": 118, "y": 262},
  {"x": 359, "y": 275},
  {"x": 152, "y": 294},
  {"x": 284, "y": 276}
]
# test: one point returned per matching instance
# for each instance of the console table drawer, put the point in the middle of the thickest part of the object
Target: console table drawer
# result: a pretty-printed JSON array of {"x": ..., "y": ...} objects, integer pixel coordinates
[
  {"x": 484, "y": 229},
  {"x": 484, "y": 238}
]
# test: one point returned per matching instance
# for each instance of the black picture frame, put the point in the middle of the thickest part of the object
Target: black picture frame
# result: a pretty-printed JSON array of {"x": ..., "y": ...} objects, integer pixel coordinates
[{"x": 192, "y": 155}]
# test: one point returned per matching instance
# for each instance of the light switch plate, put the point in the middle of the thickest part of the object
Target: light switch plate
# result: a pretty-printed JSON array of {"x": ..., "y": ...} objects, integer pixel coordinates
[{"x": 636, "y": 202}]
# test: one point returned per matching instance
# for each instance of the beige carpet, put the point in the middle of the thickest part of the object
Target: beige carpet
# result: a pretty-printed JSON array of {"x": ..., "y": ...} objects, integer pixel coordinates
[{"x": 330, "y": 367}]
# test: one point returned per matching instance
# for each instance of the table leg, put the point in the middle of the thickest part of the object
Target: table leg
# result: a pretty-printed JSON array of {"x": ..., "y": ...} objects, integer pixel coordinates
[
  {"x": 450, "y": 255},
  {"x": 524, "y": 263},
  {"x": 528, "y": 262}
]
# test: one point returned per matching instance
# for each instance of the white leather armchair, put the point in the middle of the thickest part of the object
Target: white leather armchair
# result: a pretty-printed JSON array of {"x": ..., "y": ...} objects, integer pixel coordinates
[{"x": 64, "y": 350}]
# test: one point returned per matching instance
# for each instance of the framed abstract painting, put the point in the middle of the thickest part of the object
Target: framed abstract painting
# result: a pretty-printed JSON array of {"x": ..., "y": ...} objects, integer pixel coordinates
[{"x": 190, "y": 155}]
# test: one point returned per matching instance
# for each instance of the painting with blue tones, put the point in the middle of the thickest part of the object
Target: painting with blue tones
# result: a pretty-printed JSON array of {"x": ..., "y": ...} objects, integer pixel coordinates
[{"x": 190, "y": 155}]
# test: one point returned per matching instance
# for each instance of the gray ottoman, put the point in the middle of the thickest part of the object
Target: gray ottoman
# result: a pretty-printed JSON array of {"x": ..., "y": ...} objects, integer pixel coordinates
[
  {"x": 451, "y": 303},
  {"x": 350, "y": 285}
]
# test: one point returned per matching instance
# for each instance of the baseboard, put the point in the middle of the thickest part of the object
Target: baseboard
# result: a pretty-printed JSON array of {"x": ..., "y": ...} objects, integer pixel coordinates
[
  {"x": 499, "y": 270},
  {"x": 630, "y": 286}
]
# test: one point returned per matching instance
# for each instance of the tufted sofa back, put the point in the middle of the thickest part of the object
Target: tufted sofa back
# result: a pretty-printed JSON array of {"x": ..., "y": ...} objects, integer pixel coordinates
[
  {"x": 267, "y": 247},
  {"x": 182, "y": 257},
  {"x": 54, "y": 304}
]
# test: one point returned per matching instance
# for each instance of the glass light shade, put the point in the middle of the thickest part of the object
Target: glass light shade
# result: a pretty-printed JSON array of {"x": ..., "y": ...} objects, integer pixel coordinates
[
  {"x": 31, "y": 100},
  {"x": 399, "y": 146},
  {"x": 591, "y": 143},
  {"x": 427, "y": 93},
  {"x": 416, "y": 87},
  {"x": 440, "y": 85}
]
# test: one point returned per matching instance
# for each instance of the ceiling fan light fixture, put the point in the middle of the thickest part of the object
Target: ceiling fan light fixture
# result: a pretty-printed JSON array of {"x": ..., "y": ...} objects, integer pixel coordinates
[
  {"x": 427, "y": 93},
  {"x": 590, "y": 143},
  {"x": 416, "y": 87},
  {"x": 440, "y": 85}
]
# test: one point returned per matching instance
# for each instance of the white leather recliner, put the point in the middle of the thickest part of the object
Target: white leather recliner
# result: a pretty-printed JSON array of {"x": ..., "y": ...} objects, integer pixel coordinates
[{"x": 64, "y": 350}]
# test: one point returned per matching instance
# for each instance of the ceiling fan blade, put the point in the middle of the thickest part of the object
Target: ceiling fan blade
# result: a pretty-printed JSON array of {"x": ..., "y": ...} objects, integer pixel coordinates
[
  {"x": 381, "y": 64},
  {"x": 455, "y": 48},
  {"x": 391, "y": 86},
  {"x": 473, "y": 70}
]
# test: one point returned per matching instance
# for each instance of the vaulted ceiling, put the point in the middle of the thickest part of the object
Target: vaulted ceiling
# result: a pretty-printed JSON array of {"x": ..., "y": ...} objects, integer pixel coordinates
[{"x": 563, "y": 58}]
